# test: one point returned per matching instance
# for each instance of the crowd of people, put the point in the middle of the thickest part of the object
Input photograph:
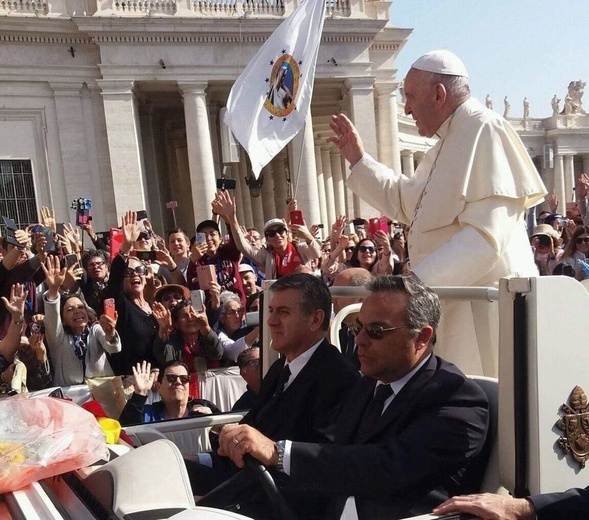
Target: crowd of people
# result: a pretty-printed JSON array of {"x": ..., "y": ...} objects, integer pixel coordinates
[
  {"x": 161, "y": 309},
  {"x": 66, "y": 337}
]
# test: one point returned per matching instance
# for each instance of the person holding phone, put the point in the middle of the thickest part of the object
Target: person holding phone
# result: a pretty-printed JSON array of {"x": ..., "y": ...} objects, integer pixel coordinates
[
  {"x": 191, "y": 338},
  {"x": 78, "y": 347},
  {"x": 208, "y": 249},
  {"x": 19, "y": 265},
  {"x": 136, "y": 324},
  {"x": 281, "y": 256}
]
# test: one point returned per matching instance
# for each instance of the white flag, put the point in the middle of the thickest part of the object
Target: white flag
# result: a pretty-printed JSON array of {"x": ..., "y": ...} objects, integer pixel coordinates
[{"x": 269, "y": 101}]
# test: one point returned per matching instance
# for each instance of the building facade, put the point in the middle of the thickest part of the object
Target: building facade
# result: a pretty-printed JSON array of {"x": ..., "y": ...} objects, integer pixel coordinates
[{"x": 120, "y": 102}]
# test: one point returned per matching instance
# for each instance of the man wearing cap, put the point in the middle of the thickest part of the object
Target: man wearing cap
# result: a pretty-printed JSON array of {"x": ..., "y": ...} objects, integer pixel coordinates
[
  {"x": 282, "y": 256},
  {"x": 465, "y": 204},
  {"x": 248, "y": 279},
  {"x": 546, "y": 246},
  {"x": 225, "y": 258}
]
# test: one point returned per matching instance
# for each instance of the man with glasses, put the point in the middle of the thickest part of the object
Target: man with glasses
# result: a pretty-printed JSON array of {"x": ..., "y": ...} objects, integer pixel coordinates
[
  {"x": 407, "y": 433},
  {"x": 465, "y": 204},
  {"x": 173, "y": 388},
  {"x": 95, "y": 279},
  {"x": 282, "y": 256},
  {"x": 249, "y": 368}
]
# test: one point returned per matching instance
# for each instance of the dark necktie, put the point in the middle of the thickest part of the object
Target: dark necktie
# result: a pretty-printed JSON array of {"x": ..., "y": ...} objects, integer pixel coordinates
[
  {"x": 373, "y": 411},
  {"x": 280, "y": 384}
]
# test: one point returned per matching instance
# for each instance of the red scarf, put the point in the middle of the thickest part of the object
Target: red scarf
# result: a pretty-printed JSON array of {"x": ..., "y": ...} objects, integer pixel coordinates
[
  {"x": 189, "y": 353},
  {"x": 289, "y": 262}
]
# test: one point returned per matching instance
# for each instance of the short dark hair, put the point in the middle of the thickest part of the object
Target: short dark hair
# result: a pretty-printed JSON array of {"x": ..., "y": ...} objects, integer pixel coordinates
[
  {"x": 177, "y": 230},
  {"x": 178, "y": 307},
  {"x": 95, "y": 253},
  {"x": 423, "y": 304},
  {"x": 314, "y": 294},
  {"x": 242, "y": 358},
  {"x": 173, "y": 363}
]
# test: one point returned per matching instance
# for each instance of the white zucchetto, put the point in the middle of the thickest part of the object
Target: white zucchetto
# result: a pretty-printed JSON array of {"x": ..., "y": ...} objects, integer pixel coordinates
[{"x": 441, "y": 62}]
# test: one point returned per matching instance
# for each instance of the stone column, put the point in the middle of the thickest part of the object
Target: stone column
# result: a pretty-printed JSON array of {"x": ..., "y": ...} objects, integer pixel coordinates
[
  {"x": 388, "y": 125},
  {"x": 246, "y": 203},
  {"x": 280, "y": 184},
  {"x": 268, "y": 202},
  {"x": 254, "y": 202},
  {"x": 585, "y": 163},
  {"x": 559, "y": 181},
  {"x": 569, "y": 180},
  {"x": 239, "y": 209},
  {"x": 100, "y": 194},
  {"x": 338, "y": 181},
  {"x": 361, "y": 99},
  {"x": 329, "y": 187},
  {"x": 321, "y": 191},
  {"x": 185, "y": 211},
  {"x": 156, "y": 206},
  {"x": 306, "y": 183},
  {"x": 417, "y": 158},
  {"x": 200, "y": 151},
  {"x": 124, "y": 144},
  {"x": 408, "y": 165}
]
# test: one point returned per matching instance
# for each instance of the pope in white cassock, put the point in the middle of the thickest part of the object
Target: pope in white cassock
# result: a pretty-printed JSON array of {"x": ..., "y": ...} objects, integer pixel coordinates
[{"x": 465, "y": 203}]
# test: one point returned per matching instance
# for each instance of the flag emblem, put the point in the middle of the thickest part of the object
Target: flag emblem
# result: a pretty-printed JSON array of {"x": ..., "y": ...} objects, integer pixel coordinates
[{"x": 284, "y": 84}]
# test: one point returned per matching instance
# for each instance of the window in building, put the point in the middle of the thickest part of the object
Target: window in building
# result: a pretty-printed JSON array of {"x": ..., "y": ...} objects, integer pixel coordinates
[{"x": 17, "y": 193}]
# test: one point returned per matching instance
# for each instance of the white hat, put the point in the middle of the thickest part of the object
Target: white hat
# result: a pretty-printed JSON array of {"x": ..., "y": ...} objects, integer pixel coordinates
[
  {"x": 441, "y": 62},
  {"x": 273, "y": 222},
  {"x": 246, "y": 268}
]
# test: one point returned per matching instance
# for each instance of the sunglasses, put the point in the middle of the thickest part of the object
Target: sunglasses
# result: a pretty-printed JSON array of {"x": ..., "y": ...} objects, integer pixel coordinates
[
  {"x": 367, "y": 249},
  {"x": 251, "y": 363},
  {"x": 581, "y": 240},
  {"x": 373, "y": 331},
  {"x": 349, "y": 249},
  {"x": 271, "y": 233},
  {"x": 171, "y": 378},
  {"x": 143, "y": 236},
  {"x": 140, "y": 270},
  {"x": 172, "y": 296}
]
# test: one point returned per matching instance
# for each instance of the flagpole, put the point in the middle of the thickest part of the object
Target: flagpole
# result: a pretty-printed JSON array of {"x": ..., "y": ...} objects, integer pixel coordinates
[{"x": 298, "y": 174}]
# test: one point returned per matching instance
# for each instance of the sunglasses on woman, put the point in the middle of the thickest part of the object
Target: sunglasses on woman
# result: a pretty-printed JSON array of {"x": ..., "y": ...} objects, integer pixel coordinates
[
  {"x": 140, "y": 270},
  {"x": 172, "y": 296},
  {"x": 373, "y": 331},
  {"x": 271, "y": 233},
  {"x": 171, "y": 378},
  {"x": 582, "y": 240},
  {"x": 367, "y": 249}
]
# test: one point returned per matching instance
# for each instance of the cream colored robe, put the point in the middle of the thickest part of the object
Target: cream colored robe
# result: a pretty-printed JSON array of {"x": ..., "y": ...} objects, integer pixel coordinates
[{"x": 470, "y": 227}]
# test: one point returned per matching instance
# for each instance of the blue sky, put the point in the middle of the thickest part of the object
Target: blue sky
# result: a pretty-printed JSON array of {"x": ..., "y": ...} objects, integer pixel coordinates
[{"x": 512, "y": 48}]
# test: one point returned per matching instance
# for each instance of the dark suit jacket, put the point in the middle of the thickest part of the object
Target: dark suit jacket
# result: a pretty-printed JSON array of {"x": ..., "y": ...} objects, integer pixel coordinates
[
  {"x": 414, "y": 459},
  {"x": 572, "y": 505},
  {"x": 307, "y": 409}
]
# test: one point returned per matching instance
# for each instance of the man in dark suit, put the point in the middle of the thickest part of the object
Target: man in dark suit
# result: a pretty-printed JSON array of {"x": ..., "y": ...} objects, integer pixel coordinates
[
  {"x": 570, "y": 505},
  {"x": 300, "y": 395},
  {"x": 407, "y": 434}
]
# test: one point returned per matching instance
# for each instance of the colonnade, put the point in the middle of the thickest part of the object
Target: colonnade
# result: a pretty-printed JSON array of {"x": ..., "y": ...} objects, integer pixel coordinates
[{"x": 316, "y": 168}]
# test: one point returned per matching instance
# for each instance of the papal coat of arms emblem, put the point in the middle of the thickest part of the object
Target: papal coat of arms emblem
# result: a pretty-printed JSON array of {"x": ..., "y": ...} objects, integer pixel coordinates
[{"x": 575, "y": 425}]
